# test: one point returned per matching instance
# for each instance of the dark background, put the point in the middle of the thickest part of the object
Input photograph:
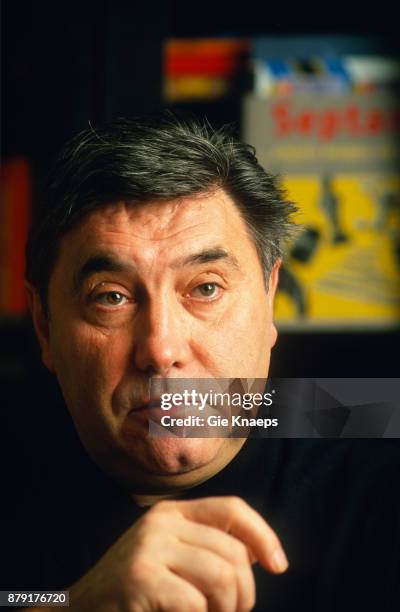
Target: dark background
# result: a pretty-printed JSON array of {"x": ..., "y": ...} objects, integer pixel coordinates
[{"x": 66, "y": 62}]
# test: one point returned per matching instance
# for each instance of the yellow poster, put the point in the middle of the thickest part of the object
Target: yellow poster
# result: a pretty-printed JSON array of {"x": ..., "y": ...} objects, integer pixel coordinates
[
  {"x": 339, "y": 157},
  {"x": 344, "y": 264}
]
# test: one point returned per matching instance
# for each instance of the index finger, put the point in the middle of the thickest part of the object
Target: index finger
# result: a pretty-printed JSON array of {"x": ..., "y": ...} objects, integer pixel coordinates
[{"x": 233, "y": 515}]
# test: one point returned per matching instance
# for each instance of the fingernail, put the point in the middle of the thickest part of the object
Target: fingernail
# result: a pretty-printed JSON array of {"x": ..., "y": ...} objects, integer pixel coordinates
[{"x": 279, "y": 561}]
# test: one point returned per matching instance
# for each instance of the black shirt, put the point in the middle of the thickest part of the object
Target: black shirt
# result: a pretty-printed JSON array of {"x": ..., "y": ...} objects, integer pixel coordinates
[{"x": 335, "y": 505}]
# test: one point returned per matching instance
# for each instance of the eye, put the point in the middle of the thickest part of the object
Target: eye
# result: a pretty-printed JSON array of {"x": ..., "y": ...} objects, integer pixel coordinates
[
  {"x": 111, "y": 298},
  {"x": 207, "y": 290}
]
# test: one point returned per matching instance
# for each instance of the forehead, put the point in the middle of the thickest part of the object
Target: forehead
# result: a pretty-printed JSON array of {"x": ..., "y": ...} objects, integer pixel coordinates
[{"x": 161, "y": 228}]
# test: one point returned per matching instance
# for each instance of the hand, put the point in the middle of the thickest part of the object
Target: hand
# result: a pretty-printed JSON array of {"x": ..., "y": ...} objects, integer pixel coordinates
[{"x": 183, "y": 555}]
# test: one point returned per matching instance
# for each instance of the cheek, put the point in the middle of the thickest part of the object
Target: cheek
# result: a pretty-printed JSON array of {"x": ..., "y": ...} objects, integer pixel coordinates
[
  {"x": 239, "y": 339},
  {"x": 250, "y": 317},
  {"x": 88, "y": 364}
]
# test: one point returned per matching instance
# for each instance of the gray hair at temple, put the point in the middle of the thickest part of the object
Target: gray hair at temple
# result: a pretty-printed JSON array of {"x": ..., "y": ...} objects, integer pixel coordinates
[{"x": 157, "y": 158}]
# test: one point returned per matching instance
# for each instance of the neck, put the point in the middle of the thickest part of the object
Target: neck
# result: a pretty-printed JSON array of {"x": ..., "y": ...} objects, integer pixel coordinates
[{"x": 149, "y": 500}]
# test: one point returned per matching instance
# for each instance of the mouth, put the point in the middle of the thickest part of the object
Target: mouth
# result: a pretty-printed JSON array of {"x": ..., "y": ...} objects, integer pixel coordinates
[
  {"x": 154, "y": 408},
  {"x": 147, "y": 405}
]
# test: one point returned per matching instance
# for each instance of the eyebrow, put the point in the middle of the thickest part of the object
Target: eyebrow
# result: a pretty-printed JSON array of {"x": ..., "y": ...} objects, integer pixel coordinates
[
  {"x": 205, "y": 256},
  {"x": 107, "y": 262},
  {"x": 101, "y": 262}
]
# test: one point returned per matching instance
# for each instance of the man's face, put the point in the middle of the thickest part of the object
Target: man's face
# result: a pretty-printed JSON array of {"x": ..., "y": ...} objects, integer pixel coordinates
[{"x": 167, "y": 289}]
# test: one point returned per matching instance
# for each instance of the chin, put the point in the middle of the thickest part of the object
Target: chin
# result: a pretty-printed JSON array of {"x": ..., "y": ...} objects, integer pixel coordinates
[{"x": 173, "y": 456}]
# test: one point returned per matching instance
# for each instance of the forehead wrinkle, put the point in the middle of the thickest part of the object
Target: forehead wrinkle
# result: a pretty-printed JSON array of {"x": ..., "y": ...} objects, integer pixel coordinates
[
  {"x": 168, "y": 214},
  {"x": 146, "y": 214},
  {"x": 110, "y": 224},
  {"x": 169, "y": 236}
]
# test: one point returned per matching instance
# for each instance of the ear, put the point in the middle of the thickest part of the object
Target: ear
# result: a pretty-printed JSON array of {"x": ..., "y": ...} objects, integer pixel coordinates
[
  {"x": 272, "y": 286},
  {"x": 40, "y": 323}
]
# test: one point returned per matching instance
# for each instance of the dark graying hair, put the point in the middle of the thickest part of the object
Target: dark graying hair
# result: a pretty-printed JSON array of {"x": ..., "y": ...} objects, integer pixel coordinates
[{"x": 158, "y": 158}]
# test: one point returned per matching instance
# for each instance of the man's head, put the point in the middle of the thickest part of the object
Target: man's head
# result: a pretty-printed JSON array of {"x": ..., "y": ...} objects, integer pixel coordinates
[{"x": 157, "y": 255}]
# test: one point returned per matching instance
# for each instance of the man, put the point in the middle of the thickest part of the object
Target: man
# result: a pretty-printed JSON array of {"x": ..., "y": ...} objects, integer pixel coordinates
[{"x": 157, "y": 257}]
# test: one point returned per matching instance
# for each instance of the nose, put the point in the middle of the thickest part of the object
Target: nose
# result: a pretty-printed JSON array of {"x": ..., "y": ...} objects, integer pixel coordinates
[{"x": 161, "y": 337}]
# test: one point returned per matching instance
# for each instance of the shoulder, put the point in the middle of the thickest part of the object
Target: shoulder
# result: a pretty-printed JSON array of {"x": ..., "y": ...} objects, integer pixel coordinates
[
  {"x": 319, "y": 460},
  {"x": 334, "y": 477}
]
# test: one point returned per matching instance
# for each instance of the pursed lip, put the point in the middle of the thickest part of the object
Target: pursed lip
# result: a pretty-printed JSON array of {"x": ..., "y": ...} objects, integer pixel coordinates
[
  {"x": 147, "y": 405},
  {"x": 153, "y": 407},
  {"x": 156, "y": 403}
]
